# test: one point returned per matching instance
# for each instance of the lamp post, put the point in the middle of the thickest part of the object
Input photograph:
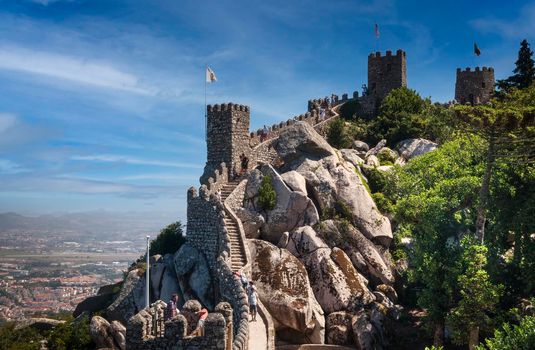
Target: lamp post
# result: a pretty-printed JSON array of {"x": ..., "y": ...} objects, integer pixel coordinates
[{"x": 147, "y": 277}]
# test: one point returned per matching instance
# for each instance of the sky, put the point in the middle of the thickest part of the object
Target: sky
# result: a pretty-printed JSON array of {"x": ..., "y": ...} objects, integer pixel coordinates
[{"x": 102, "y": 101}]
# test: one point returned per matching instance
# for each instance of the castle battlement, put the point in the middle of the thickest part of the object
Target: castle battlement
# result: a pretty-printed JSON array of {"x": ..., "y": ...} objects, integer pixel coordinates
[
  {"x": 469, "y": 70},
  {"x": 399, "y": 53},
  {"x": 147, "y": 330},
  {"x": 227, "y": 107}
]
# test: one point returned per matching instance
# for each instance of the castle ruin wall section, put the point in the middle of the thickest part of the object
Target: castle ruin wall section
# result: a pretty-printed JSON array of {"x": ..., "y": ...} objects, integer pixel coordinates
[{"x": 205, "y": 227}]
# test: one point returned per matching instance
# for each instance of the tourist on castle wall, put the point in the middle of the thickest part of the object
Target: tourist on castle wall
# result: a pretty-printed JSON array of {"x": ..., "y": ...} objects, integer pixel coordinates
[
  {"x": 253, "y": 300},
  {"x": 244, "y": 164},
  {"x": 171, "y": 310},
  {"x": 199, "y": 331},
  {"x": 264, "y": 135}
]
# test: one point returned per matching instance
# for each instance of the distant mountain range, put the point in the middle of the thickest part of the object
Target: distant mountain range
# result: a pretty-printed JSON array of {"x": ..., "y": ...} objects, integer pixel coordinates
[{"x": 92, "y": 222}]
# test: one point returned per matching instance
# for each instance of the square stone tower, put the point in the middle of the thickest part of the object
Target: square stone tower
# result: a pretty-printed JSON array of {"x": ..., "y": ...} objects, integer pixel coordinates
[
  {"x": 227, "y": 137},
  {"x": 474, "y": 87},
  {"x": 386, "y": 73}
]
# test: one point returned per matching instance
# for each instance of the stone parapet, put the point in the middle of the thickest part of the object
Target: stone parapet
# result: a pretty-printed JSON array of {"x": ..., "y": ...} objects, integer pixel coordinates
[{"x": 141, "y": 333}]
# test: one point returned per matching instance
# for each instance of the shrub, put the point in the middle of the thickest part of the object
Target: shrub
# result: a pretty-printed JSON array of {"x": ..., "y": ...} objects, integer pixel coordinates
[
  {"x": 383, "y": 203},
  {"x": 386, "y": 156},
  {"x": 377, "y": 180},
  {"x": 71, "y": 336},
  {"x": 23, "y": 339},
  {"x": 337, "y": 134},
  {"x": 267, "y": 197},
  {"x": 517, "y": 337},
  {"x": 169, "y": 240}
]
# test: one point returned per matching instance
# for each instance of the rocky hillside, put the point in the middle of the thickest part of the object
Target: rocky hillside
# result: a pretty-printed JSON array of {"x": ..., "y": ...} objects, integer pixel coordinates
[{"x": 318, "y": 243}]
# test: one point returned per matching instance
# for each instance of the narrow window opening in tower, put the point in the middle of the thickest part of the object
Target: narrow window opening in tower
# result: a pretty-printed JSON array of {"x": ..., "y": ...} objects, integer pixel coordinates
[
  {"x": 373, "y": 86},
  {"x": 483, "y": 85},
  {"x": 388, "y": 67}
]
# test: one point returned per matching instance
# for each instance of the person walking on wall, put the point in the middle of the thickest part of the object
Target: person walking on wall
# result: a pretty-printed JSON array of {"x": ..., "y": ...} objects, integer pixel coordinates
[
  {"x": 265, "y": 134},
  {"x": 253, "y": 301}
]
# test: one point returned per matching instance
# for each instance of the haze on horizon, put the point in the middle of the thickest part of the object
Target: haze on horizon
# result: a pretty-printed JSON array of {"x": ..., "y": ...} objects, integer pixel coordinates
[{"x": 102, "y": 102}]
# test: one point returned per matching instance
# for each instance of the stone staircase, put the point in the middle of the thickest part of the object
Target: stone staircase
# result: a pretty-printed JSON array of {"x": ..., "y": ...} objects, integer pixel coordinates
[{"x": 237, "y": 254}]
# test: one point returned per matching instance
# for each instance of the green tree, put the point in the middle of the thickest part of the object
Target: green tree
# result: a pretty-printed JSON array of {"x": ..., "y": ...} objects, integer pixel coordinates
[
  {"x": 524, "y": 71},
  {"x": 337, "y": 135},
  {"x": 267, "y": 197},
  {"x": 517, "y": 337},
  {"x": 26, "y": 338},
  {"x": 169, "y": 240},
  {"x": 400, "y": 116},
  {"x": 71, "y": 336},
  {"x": 478, "y": 295},
  {"x": 507, "y": 126},
  {"x": 433, "y": 195}
]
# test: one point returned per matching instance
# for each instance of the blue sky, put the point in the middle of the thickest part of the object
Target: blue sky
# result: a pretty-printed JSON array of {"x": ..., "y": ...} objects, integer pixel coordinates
[{"x": 102, "y": 102}]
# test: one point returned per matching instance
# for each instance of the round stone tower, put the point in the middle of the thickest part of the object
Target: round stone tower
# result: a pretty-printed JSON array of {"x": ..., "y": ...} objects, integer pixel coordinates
[{"x": 474, "y": 86}]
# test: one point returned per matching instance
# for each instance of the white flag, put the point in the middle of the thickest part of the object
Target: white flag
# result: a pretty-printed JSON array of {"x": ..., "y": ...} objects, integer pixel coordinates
[{"x": 210, "y": 75}]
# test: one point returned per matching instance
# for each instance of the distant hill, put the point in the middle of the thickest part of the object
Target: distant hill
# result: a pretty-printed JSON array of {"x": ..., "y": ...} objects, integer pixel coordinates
[{"x": 92, "y": 222}]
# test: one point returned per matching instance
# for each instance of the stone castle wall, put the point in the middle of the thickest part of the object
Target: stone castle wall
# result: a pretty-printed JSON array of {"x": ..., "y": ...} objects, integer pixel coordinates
[
  {"x": 205, "y": 224},
  {"x": 474, "y": 86},
  {"x": 147, "y": 331}
]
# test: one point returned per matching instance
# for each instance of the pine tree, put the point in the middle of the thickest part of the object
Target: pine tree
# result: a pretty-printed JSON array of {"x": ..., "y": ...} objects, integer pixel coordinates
[{"x": 524, "y": 72}]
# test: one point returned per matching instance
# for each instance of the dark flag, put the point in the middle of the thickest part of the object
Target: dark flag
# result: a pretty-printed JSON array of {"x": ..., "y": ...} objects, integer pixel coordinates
[
  {"x": 477, "y": 51},
  {"x": 377, "y": 34}
]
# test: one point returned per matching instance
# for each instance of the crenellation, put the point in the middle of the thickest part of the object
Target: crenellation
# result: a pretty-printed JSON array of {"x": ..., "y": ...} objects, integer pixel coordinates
[
  {"x": 176, "y": 334},
  {"x": 388, "y": 53}
]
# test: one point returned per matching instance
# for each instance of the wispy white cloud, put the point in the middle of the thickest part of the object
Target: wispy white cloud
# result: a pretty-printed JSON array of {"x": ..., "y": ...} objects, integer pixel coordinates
[
  {"x": 8, "y": 167},
  {"x": 111, "y": 158},
  {"x": 521, "y": 27},
  {"x": 71, "y": 68}
]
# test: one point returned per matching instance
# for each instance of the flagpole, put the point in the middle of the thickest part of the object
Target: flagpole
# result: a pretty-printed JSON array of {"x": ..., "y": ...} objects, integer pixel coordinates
[{"x": 205, "y": 106}]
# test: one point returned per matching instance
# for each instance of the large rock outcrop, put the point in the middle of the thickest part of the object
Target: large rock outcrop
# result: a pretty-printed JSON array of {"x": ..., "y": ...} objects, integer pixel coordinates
[
  {"x": 284, "y": 289},
  {"x": 335, "y": 282},
  {"x": 364, "y": 254},
  {"x": 302, "y": 141},
  {"x": 292, "y": 209},
  {"x": 106, "y": 335},
  {"x": 193, "y": 274},
  {"x": 130, "y": 299},
  {"x": 330, "y": 180}
]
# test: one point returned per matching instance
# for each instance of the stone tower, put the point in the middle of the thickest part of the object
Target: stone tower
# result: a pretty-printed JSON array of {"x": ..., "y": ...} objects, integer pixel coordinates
[
  {"x": 386, "y": 73},
  {"x": 474, "y": 87},
  {"x": 227, "y": 137}
]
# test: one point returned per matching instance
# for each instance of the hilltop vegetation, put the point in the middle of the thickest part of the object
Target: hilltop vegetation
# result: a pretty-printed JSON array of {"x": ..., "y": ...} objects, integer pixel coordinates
[{"x": 466, "y": 208}]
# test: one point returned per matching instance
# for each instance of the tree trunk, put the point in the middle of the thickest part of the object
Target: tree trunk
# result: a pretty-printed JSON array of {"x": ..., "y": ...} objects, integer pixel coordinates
[
  {"x": 484, "y": 191},
  {"x": 473, "y": 340},
  {"x": 439, "y": 335}
]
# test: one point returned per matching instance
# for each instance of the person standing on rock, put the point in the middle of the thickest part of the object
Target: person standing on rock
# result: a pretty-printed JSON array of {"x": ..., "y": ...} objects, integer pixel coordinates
[{"x": 253, "y": 300}]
